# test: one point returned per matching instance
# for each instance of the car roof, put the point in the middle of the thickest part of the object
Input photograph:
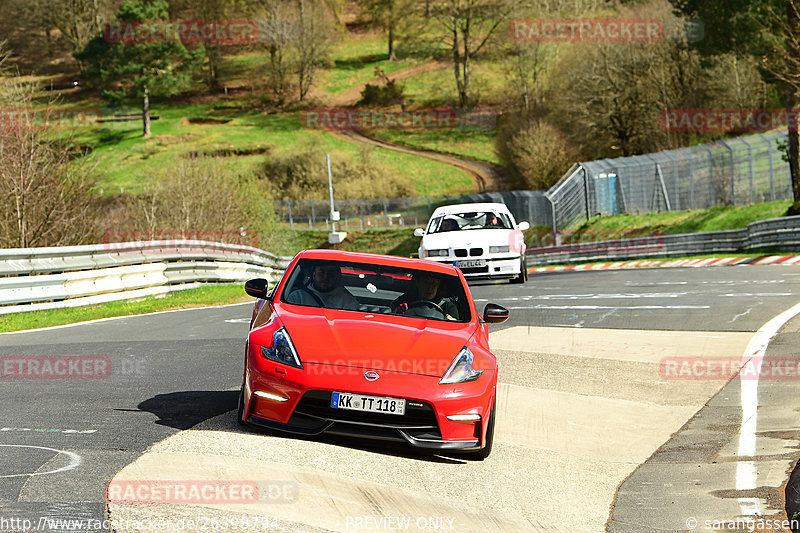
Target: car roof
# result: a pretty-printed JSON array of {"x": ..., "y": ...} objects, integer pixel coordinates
[
  {"x": 461, "y": 208},
  {"x": 379, "y": 259}
]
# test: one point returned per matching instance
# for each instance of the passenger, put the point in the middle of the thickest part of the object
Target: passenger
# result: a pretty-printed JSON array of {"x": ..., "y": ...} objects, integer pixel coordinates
[
  {"x": 324, "y": 290},
  {"x": 493, "y": 222},
  {"x": 423, "y": 299}
]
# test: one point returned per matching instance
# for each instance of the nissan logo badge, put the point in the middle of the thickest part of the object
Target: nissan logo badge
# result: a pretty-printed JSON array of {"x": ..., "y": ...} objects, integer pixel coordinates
[{"x": 371, "y": 375}]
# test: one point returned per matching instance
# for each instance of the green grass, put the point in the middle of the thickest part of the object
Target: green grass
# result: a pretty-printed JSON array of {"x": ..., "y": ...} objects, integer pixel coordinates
[
  {"x": 126, "y": 161},
  {"x": 473, "y": 143},
  {"x": 354, "y": 62},
  {"x": 697, "y": 221},
  {"x": 399, "y": 242},
  {"x": 202, "y": 296}
]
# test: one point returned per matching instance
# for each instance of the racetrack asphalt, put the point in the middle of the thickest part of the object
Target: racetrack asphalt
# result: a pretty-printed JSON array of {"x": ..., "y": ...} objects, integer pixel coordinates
[{"x": 173, "y": 370}]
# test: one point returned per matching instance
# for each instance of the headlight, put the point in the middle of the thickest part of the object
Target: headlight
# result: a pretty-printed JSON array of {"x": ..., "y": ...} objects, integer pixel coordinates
[
  {"x": 461, "y": 370},
  {"x": 498, "y": 249},
  {"x": 282, "y": 350},
  {"x": 436, "y": 253}
]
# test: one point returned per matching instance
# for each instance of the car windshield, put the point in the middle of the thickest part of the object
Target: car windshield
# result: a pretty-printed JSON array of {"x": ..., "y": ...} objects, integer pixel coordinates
[
  {"x": 370, "y": 288},
  {"x": 468, "y": 221}
]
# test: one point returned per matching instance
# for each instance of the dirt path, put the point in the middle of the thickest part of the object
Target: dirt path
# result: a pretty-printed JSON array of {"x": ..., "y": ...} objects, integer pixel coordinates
[
  {"x": 487, "y": 177},
  {"x": 352, "y": 95}
]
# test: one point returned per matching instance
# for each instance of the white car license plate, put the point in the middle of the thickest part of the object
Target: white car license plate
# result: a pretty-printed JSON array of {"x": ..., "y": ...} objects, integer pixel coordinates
[
  {"x": 372, "y": 404},
  {"x": 473, "y": 263}
]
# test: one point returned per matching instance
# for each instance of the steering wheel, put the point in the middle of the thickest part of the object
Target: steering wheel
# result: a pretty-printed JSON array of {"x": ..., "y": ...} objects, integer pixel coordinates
[{"x": 426, "y": 303}]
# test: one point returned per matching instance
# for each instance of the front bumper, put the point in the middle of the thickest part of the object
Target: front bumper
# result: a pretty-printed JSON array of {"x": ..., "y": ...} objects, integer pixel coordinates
[
  {"x": 499, "y": 268},
  {"x": 306, "y": 406}
]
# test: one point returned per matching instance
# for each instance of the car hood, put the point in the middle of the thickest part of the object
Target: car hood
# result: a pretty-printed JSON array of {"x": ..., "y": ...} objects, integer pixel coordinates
[{"x": 376, "y": 342}]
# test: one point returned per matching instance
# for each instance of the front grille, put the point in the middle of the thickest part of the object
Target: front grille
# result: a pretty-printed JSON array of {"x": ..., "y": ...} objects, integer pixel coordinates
[
  {"x": 475, "y": 270},
  {"x": 460, "y": 252},
  {"x": 475, "y": 251},
  {"x": 318, "y": 404}
]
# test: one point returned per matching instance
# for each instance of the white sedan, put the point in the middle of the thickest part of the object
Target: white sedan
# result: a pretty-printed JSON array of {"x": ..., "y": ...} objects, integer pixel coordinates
[{"x": 483, "y": 240}]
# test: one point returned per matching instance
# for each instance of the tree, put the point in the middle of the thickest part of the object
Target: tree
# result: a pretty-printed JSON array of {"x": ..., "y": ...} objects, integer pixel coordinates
[
  {"x": 45, "y": 199},
  {"x": 388, "y": 15},
  {"x": 126, "y": 70},
  {"x": 297, "y": 34},
  {"x": 766, "y": 29},
  {"x": 467, "y": 26},
  {"x": 313, "y": 43}
]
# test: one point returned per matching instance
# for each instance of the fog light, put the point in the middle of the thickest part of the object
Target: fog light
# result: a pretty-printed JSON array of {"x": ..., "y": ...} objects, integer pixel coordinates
[{"x": 269, "y": 396}]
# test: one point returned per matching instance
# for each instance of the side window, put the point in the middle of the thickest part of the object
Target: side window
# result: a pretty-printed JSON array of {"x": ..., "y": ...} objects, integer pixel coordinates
[{"x": 434, "y": 225}]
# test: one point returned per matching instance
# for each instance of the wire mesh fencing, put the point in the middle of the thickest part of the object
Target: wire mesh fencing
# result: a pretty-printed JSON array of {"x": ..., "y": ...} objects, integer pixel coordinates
[{"x": 740, "y": 171}]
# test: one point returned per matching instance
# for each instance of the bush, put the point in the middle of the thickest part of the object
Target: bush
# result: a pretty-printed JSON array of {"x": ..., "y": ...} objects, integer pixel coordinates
[
  {"x": 201, "y": 196},
  {"x": 300, "y": 175},
  {"x": 388, "y": 95},
  {"x": 536, "y": 154}
]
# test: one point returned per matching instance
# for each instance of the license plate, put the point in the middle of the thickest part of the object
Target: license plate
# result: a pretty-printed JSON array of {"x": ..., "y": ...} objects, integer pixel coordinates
[
  {"x": 473, "y": 263},
  {"x": 372, "y": 404}
]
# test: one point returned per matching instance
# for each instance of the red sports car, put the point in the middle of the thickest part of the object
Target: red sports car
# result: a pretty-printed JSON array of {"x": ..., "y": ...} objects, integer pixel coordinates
[{"x": 372, "y": 346}]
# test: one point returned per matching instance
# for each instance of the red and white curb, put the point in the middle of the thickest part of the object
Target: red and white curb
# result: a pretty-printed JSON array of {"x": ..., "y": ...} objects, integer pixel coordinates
[{"x": 712, "y": 261}]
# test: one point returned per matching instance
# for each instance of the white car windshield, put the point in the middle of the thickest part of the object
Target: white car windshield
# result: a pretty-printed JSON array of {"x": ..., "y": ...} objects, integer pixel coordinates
[{"x": 469, "y": 221}]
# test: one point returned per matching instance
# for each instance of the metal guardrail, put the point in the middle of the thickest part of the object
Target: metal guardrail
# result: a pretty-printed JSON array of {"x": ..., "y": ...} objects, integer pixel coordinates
[
  {"x": 778, "y": 233},
  {"x": 34, "y": 279}
]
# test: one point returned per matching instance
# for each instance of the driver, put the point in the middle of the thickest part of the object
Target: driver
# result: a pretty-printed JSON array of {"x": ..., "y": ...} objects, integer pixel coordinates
[
  {"x": 324, "y": 290},
  {"x": 422, "y": 299}
]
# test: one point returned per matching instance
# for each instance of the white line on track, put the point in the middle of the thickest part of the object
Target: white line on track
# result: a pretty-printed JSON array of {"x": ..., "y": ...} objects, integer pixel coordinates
[
  {"x": 595, "y": 307},
  {"x": 74, "y": 460},
  {"x": 109, "y": 319},
  {"x": 746, "y": 473}
]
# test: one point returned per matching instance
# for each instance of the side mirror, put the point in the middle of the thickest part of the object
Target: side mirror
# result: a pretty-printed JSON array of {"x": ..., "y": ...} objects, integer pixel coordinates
[
  {"x": 523, "y": 226},
  {"x": 495, "y": 314},
  {"x": 419, "y": 232},
  {"x": 257, "y": 288}
]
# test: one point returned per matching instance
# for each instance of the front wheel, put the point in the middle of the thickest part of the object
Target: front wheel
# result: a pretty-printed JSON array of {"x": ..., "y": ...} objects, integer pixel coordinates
[{"x": 523, "y": 272}]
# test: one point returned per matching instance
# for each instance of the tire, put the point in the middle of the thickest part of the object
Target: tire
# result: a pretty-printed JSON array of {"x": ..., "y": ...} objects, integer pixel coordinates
[
  {"x": 484, "y": 452},
  {"x": 240, "y": 410},
  {"x": 523, "y": 272}
]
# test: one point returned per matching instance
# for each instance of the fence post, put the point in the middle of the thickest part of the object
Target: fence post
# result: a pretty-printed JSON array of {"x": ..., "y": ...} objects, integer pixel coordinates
[
  {"x": 429, "y": 207},
  {"x": 585, "y": 195},
  {"x": 386, "y": 211},
  {"x": 291, "y": 221},
  {"x": 677, "y": 193},
  {"x": 750, "y": 166},
  {"x": 710, "y": 170},
  {"x": 361, "y": 207},
  {"x": 730, "y": 158},
  {"x": 771, "y": 171},
  {"x": 313, "y": 215}
]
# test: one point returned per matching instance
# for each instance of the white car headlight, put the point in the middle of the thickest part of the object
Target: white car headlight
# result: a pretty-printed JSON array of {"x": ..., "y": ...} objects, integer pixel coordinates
[
  {"x": 498, "y": 249},
  {"x": 436, "y": 253},
  {"x": 460, "y": 370},
  {"x": 282, "y": 350}
]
